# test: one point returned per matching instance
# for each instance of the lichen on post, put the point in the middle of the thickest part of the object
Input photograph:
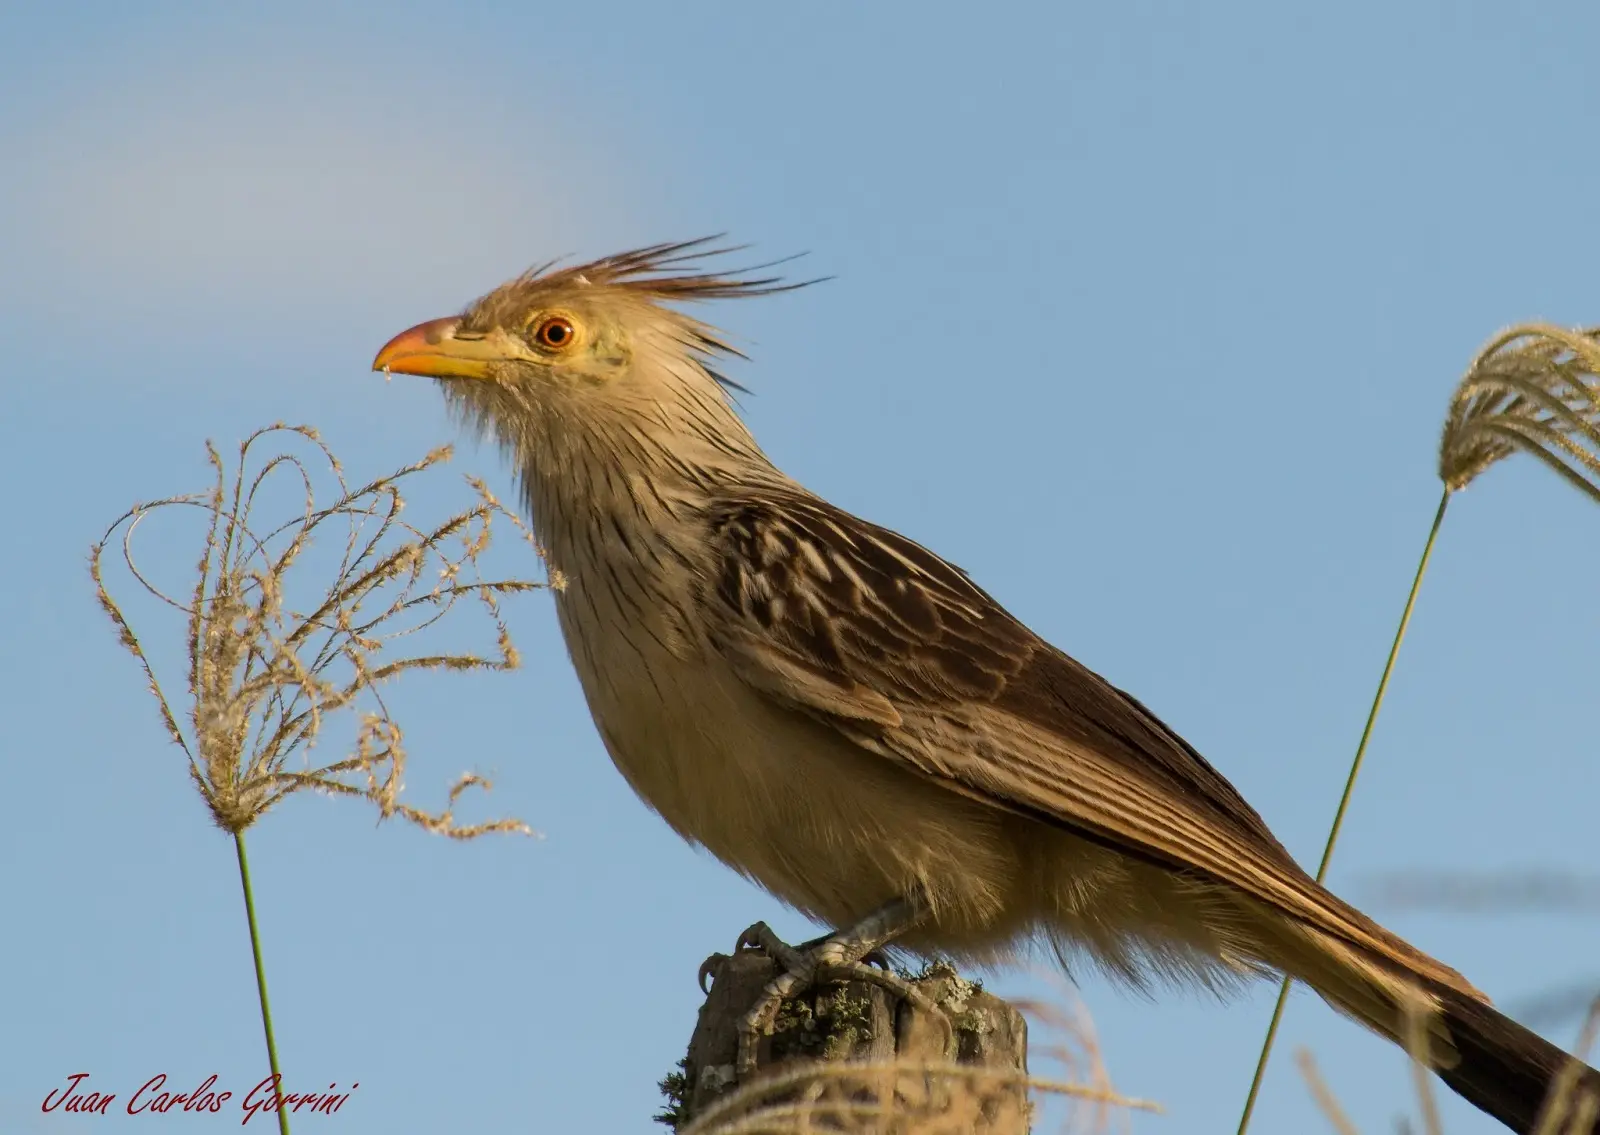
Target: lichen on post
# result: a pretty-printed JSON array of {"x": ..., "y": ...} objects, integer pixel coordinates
[{"x": 853, "y": 1056}]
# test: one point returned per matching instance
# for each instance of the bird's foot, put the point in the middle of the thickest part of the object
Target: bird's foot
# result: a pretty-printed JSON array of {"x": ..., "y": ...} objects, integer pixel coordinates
[
  {"x": 760, "y": 937},
  {"x": 847, "y": 956},
  {"x": 878, "y": 957},
  {"x": 792, "y": 958}
]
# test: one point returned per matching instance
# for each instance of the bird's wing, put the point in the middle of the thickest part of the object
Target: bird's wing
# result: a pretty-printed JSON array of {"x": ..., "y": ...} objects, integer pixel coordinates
[{"x": 875, "y": 635}]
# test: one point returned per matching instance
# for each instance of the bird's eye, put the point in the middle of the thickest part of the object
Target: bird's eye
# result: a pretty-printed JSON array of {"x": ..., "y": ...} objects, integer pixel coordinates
[{"x": 554, "y": 332}]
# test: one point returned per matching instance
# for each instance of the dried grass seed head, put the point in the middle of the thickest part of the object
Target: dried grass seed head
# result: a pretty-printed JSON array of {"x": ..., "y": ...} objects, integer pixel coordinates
[
  {"x": 262, "y": 679},
  {"x": 1535, "y": 388}
]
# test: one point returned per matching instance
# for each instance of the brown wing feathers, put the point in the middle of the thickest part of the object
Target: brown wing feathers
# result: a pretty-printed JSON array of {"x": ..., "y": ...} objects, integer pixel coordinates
[
  {"x": 846, "y": 620},
  {"x": 859, "y": 603}
]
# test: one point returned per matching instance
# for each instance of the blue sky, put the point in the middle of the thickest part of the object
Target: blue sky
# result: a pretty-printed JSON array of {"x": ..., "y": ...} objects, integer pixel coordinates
[{"x": 1146, "y": 314}]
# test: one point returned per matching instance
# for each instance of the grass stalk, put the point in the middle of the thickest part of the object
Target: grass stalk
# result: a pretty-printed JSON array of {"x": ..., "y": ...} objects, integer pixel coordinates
[
  {"x": 1344, "y": 800},
  {"x": 261, "y": 983},
  {"x": 264, "y": 677}
]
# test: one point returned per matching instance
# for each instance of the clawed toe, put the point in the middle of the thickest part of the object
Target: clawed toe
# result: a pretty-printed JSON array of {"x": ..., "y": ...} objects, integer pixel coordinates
[
  {"x": 847, "y": 955},
  {"x": 760, "y": 936},
  {"x": 707, "y": 968},
  {"x": 796, "y": 971},
  {"x": 800, "y": 969}
]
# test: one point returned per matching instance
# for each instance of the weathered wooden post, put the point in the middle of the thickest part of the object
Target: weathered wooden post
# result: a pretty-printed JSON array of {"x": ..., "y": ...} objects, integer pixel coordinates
[{"x": 854, "y": 1056}]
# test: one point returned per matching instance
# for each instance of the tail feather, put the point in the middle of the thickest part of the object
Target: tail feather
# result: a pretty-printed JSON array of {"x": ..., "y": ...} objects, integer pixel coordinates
[
  {"x": 1481, "y": 1054},
  {"x": 1514, "y": 1074}
]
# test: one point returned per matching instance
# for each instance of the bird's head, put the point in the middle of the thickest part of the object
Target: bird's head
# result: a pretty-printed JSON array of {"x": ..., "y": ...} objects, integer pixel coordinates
[
  {"x": 605, "y": 327},
  {"x": 576, "y": 368}
]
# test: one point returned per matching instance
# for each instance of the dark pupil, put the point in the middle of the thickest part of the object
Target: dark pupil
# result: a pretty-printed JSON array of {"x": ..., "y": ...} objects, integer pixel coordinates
[{"x": 555, "y": 334}]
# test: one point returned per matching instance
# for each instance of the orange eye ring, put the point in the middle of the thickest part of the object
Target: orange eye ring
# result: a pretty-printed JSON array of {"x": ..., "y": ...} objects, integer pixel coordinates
[{"x": 555, "y": 333}]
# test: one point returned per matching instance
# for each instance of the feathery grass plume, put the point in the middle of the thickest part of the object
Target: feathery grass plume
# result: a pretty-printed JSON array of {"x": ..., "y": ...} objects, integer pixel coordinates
[
  {"x": 263, "y": 679},
  {"x": 1535, "y": 388},
  {"x": 919, "y": 1097}
]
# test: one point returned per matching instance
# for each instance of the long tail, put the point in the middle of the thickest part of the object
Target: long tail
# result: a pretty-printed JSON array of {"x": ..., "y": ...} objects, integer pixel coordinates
[
  {"x": 1515, "y": 1075},
  {"x": 1484, "y": 1056}
]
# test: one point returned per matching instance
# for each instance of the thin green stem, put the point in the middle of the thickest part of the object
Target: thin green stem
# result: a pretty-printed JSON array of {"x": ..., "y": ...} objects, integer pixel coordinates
[
  {"x": 261, "y": 983},
  {"x": 1344, "y": 801}
]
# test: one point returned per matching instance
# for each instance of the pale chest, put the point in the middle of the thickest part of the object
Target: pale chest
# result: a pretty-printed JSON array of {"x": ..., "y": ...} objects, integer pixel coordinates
[{"x": 684, "y": 732}]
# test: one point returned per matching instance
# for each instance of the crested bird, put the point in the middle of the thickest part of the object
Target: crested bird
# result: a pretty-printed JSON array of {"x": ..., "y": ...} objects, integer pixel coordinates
[{"x": 848, "y": 720}]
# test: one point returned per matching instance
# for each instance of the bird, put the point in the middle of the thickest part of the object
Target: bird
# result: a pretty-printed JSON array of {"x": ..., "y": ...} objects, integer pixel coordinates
[{"x": 848, "y": 720}]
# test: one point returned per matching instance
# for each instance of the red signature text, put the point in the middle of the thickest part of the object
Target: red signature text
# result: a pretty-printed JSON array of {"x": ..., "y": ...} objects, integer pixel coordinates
[
  {"x": 266, "y": 1098},
  {"x": 73, "y": 1100},
  {"x": 150, "y": 1097}
]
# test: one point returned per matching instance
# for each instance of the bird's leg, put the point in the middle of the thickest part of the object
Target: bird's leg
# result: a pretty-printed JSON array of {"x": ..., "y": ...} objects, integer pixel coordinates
[
  {"x": 839, "y": 956},
  {"x": 871, "y": 957}
]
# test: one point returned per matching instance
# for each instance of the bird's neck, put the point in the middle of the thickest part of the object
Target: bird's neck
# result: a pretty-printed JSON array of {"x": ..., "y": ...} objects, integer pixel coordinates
[{"x": 603, "y": 487}]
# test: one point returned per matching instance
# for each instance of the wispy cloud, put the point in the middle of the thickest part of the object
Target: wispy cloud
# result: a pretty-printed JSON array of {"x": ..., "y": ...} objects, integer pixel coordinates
[{"x": 293, "y": 182}]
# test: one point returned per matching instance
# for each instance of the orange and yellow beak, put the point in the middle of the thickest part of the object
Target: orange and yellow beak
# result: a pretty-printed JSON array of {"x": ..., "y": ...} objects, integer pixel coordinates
[{"x": 434, "y": 350}]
